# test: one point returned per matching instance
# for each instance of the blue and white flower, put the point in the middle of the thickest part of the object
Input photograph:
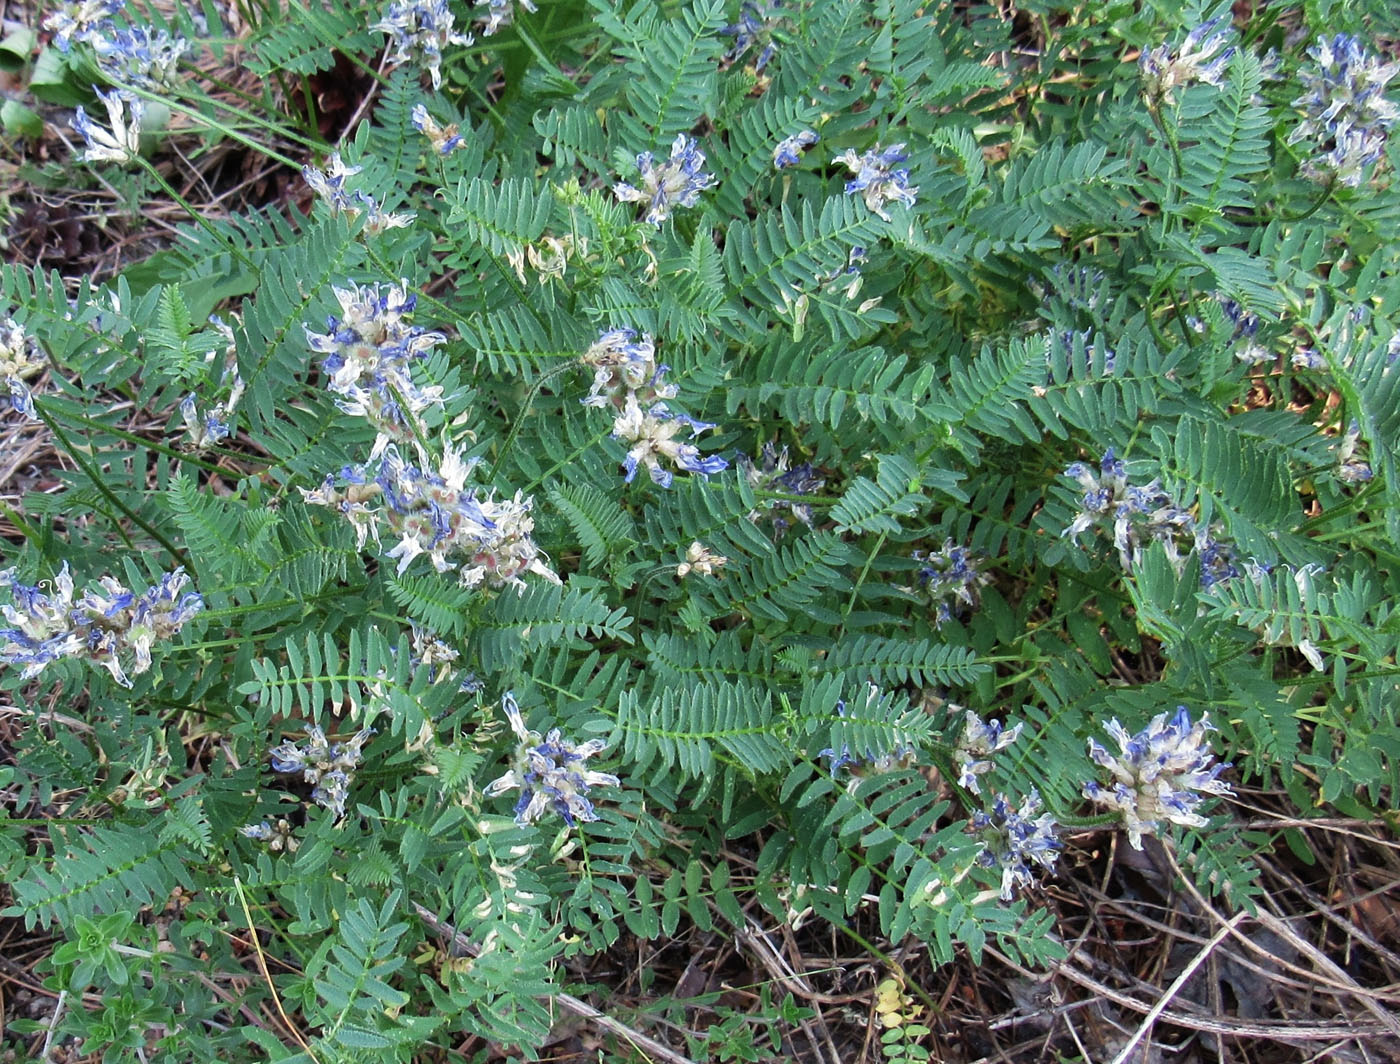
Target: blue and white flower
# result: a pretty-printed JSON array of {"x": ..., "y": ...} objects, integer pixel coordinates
[
  {"x": 866, "y": 761},
  {"x": 421, "y": 29},
  {"x": 1140, "y": 514},
  {"x": 652, "y": 435},
  {"x": 549, "y": 772},
  {"x": 501, "y": 13},
  {"x": 278, "y": 837},
  {"x": 433, "y": 512},
  {"x": 369, "y": 353},
  {"x": 21, "y": 359},
  {"x": 81, "y": 20},
  {"x": 444, "y": 139},
  {"x": 976, "y": 745},
  {"x": 1350, "y": 468},
  {"x": 139, "y": 56},
  {"x": 677, "y": 182},
  {"x": 1348, "y": 116},
  {"x": 120, "y": 144},
  {"x": 771, "y": 474},
  {"x": 1198, "y": 58},
  {"x": 788, "y": 151},
  {"x": 113, "y": 627},
  {"x": 1161, "y": 773},
  {"x": 1013, "y": 840},
  {"x": 625, "y": 364},
  {"x": 755, "y": 26},
  {"x": 949, "y": 577},
  {"x": 329, "y": 766},
  {"x": 878, "y": 179},
  {"x": 329, "y": 186}
]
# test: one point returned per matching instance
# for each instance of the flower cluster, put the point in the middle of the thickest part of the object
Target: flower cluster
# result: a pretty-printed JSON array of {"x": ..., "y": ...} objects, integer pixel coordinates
[
  {"x": 1198, "y": 58},
  {"x": 1245, "y": 328},
  {"x": 625, "y": 365},
  {"x": 114, "y": 627},
  {"x": 444, "y": 139},
  {"x": 433, "y": 512},
  {"x": 652, "y": 436},
  {"x": 700, "y": 559},
  {"x": 501, "y": 13},
  {"x": 329, "y": 186},
  {"x": 789, "y": 150},
  {"x": 1013, "y": 840},
  {"x": 329, "y": 766},
  {"x": 212, "y": 425},
  {"x": 549, "y": 772},
  {"x": 1159, "y": 774},
  {"x": 1144, "y": 514},
  {"x": 865, "y": 762},
  {"x": 1350, "y": 468},
  {"x": 1347, "y": 114},
  {"x": 20, "y": 358},
  {"x": 677, "y": 182},
  {"x": 122, "y": 144},
  {"x": 627, "y": 380},
  {"x": 81, "y": 20},
  {"x": 369, "y": 350},
  {"x": 948, "y": 576},
  {"x": 976, "y": 745},
  {"x": 421, "y": 29},
  {"x": 138, "y": 56},
  {"x": 278, "y": 836},
  {"x": 756, "y": 24},
  {"x": 877, "y": 178},
  {"x": 771, "y": 474}
]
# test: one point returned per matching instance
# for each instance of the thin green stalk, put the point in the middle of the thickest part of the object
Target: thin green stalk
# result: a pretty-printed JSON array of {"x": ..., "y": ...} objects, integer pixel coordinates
[
  {"x": 95, "y": 476},
  {"x": 199, "y": 219}
]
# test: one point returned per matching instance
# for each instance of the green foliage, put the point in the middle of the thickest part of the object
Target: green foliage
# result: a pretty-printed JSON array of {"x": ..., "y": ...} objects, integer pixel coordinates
[{"x": 415, "y": 513}]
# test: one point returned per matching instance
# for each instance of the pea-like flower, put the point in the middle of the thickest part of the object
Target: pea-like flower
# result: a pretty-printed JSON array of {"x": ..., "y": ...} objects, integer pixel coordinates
[
  {"x": 866, "y": 761},
  {"x": 771, "y": 473},
  {"x": 421, "y": 29},
  {"x": 652, "y": 435},
  {"x": 444, "y": 139},
  {"x": 21, "y": 358},
  {"x": 1197, "y": 58},
  {"x": 948, "y": 577},
  {"x": 625, "y": 364},
  {"x": 278, "y": 837},
  {"x": 1140, "y": 514},
  {"x": 433, "y": 512},
  {"x": 700, "y": 559},
  {"x": 1350, "y": 468},
  {"x": 501, "y": 13},
  {"x": 81, "y": 20},
  {"x": 1013, "y": 840},
  {"x": 877, "y": 178},
  {"x": 788, "y": 151},
  {"x": 114, "y": 627},
  {"x": 976, "y": 745},
  {"x": 1161, "y": 773},
  {"x": 369, "y": 350},
  {"x": 755, "y": 26},
  {"x": 329, "y": 766},
  {"x": 677, "y": 182},
  {"x": 139, "y": 56},
  {"x": 549, "y": 772},
  {"x": 122, "y": 144},
  {"x": 329, "y": 186},
  {"x": 1348, "y": 116}
]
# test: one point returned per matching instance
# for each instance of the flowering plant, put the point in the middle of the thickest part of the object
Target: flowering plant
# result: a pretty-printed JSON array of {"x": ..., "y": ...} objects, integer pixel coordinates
[{"x": 587, "y": 472}]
